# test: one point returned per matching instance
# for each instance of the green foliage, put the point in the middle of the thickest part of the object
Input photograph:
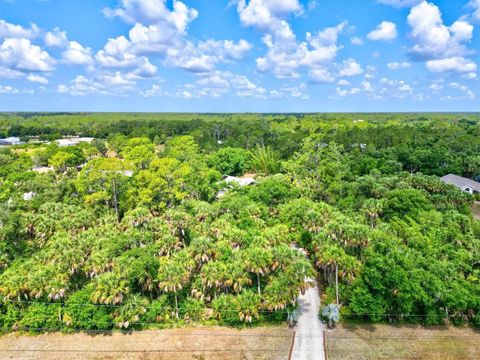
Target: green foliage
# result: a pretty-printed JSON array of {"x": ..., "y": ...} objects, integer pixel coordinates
[
  {"x": 230, "y": 161},
  {"x": 42, "y": 317},
  {"x": 264, "y": 160},
  {"x": 140, "y": 236},
  {"x": 80, "y": 313}
]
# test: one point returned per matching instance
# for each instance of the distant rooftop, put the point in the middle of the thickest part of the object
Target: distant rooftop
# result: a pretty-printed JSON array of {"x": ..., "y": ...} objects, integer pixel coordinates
[
  {"x": 243, "y": 181},
  {"x": 461, "y": 182}
]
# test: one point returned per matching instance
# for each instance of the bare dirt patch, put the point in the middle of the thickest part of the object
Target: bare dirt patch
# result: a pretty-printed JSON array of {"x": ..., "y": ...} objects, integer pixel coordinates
[
  {"x": 377, "y": 342},
  {"x": 178, "y": 344}
]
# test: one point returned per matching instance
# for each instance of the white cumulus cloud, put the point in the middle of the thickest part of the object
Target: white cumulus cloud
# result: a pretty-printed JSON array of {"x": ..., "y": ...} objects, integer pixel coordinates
[
  {"x": 350, "y": 68},
  {"x": 8, "y": 30},
  {"x": 22, "y": 55},
  {"x": 386, "y": 31},
  {"x": 37, "y": 79},
  {"x": 76, "y": 54},
  {"x": 56, "y": 38}
]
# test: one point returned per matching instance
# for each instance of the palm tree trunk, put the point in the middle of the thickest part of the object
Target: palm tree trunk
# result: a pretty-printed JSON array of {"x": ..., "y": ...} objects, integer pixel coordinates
[
  {"x": 258, "y": 284},
  {"x": 115, "y": 200},
  {"x": 336, "y": 282},
  {"x": 176, "y": 305}
]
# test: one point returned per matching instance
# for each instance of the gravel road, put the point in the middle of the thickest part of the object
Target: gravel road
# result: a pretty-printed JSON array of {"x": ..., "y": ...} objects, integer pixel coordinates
[{"x": 309, "y": 331}]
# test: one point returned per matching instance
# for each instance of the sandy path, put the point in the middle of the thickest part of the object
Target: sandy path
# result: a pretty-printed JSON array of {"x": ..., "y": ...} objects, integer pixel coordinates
[{"x": 309, "y": 331}]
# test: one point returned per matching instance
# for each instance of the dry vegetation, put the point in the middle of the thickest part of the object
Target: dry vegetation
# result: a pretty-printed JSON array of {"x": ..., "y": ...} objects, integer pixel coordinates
[
  {"x": 178, "y": 344},
  {"x": 404, "y": 342}
]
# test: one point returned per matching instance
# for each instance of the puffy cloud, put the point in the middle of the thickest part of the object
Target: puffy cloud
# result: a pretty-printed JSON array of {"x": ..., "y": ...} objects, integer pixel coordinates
[
  {"x": 117, "y": 54},
  {"x": 76, "y": 54},
  {"x": 155, "y": 91},
  {"x": 37, "y": 79},
  {"x": 56, "y": 38},
  {"x": 266, "y": 14},
  {"x": 289, "y": 91},
  {"x": 350, "y": 68},
  {"x": 386, "y": 31},
  {"x": 443, "y": 47},
  {"x": 161, "y": 32},
  {"x": 22, "y": 55},
  {"x": 204, "y": 56},
  {"x": 8, "y": 30},
  {"x": 101, "y": 84},
  {"x": 220, "y": 83},
  {"x": 343, "y": 82},
  {"x": 321, "y": 75},
  {"x": 399, "y": 3},
  {"x": 453, "y": 64},
  {"x": 154, "y": 12},
  {"x": 399, "y": 65},
  {"x": 355, "y": 40},
  {"x": 286, "y": 55}
]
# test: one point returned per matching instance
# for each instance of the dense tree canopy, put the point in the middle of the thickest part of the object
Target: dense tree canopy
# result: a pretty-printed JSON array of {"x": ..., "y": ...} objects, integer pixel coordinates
[{"x": 131, "y": 231}]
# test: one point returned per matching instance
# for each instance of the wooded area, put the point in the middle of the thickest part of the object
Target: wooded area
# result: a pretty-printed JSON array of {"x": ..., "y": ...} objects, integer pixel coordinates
[{"x": 130, "y": 231}]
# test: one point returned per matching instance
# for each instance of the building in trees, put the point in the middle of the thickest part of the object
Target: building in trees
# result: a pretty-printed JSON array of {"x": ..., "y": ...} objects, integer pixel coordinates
[{"x": 464, "y": 184}]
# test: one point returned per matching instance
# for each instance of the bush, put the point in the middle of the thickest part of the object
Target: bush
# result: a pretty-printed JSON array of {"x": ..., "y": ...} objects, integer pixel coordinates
[
  {"x": 159, "y": 311},
  {"x": 10, "y": 315},
  {"x": 42, "y": 317},
  {"x": 230, "y": 161},
  {"x": 80, "y": 313},
  {"x": 193, "y": 310}
]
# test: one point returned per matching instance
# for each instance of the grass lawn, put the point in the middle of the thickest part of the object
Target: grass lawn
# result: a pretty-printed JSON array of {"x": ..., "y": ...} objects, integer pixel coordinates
[
  {"x": 178, "y": 344},
  {"x": 373, "y": 342}
]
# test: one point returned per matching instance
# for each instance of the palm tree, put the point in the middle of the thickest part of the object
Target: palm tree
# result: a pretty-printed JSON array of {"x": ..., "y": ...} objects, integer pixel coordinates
[
  {"x": 373, "y": 208},
  {"x": 264, "y": 160},
  {"x": 259, "y": 261},
  {"x": 173, "y": 274},
  {"x": 110, "y": 288}
]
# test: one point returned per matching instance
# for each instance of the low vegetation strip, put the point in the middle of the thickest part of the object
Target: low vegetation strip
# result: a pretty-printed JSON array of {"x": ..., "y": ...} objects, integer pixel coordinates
[
  {"x": 402, "y": 342},
  {"x": 178, "y": 344}
]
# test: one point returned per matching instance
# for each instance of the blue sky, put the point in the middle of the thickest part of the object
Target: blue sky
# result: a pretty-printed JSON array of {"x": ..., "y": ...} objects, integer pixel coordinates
[{"x": 239, "y": 55}]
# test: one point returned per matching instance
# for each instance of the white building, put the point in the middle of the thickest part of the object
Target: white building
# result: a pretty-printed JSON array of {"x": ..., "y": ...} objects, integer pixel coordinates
[
  {"x": 10, "y": 141},
  {"x": 238, "y": 181},
  {"x": 74, "y": 141}
]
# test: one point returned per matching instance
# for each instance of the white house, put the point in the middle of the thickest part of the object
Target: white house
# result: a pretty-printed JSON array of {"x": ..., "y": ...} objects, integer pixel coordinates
[
  {"x": 65, "y": 142},
  {"x": 464, "y": 184},
  {"x": 74, "y": 141},
  {"x": 243, "y": 181},
  {"x": 10, "y": 141},
  {"x": 239, "y": 181}
]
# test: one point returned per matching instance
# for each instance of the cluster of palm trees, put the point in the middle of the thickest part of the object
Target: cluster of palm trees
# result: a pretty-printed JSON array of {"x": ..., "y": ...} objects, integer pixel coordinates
[{"x": 225, "y": 266}]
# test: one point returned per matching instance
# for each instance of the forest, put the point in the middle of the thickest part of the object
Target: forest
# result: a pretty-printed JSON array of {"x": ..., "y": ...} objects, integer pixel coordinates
[{"x": 138, "y": 228}]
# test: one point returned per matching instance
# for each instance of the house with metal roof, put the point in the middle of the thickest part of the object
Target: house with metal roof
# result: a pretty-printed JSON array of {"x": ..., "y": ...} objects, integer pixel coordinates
[
  {"x": 464, "y": 184},
  {"x": 10, "y": 141}
]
